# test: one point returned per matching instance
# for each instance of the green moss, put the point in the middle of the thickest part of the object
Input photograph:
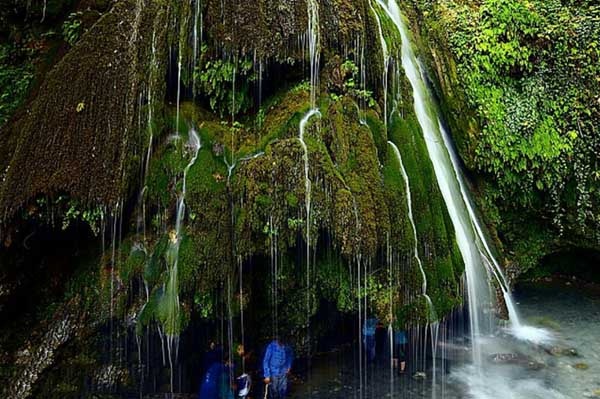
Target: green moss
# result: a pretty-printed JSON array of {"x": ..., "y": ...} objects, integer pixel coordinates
[
  {"x": 379, "y": 133},
  {"x": 512, "y": 80},
  {"x": 164, "y": 169},
  {"x": 283, "y": 117},
  {"x": 401, "y": 236},
  {"x": 134, "y": 263},
  {"x": 435, "y": 231},
  {"x": 15, "y": 78}
]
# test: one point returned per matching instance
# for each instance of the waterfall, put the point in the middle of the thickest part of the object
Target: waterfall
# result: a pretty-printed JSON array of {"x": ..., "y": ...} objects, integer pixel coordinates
[
  {"x": 307, "y": 199},
  {"x": 480, "y": 264},
  {"x": 194, "y": 146},
  {"x": 196, "y": 40},
  {"x": 178, "y": 90}
]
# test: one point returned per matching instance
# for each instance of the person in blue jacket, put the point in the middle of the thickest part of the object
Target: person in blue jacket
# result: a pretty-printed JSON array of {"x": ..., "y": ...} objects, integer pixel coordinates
[
  {"x": 216, "y": 382},
  {"x": 277, "y": 364},
  {"x": 368, "y": 333}
]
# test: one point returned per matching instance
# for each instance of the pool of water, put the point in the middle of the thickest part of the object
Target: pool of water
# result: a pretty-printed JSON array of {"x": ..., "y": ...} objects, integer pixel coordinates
[{"x": 556, "y": 355}]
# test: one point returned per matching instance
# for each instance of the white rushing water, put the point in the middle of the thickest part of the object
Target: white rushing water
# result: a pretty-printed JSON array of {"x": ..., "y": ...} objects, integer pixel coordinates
[
  {"x": 480, "y": 265},
  {"x": 313, "y": 48}
]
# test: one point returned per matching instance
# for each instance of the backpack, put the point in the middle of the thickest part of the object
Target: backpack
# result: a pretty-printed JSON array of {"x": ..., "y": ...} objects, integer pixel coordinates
[{"x": 244, "y": 383}]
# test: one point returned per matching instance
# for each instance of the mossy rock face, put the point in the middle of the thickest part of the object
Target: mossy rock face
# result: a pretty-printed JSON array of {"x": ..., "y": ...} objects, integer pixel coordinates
[
  {"x": 80, "y": 133},
  {"x": 272, "y": 28},
  {"x": 246, "y": 200},
  {"x": 442, "y": 261},
  {"x": 524, "y": 129},
  {"x": 208, "y": 257},
  {"x": 246, "y": 197}
]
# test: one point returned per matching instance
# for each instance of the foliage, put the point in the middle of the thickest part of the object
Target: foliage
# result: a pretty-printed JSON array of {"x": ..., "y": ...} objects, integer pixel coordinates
[
  {"x": 75, "y": 212},
  {"x": 226, "y": 83},
  {"x": 352, "y": 87},
  {"x": 72, "y": 28},
  {"x": 64, "y": 211},
  {"x": 530, "y": 71},
  {"x": 334, "y": 282},
  {"x": 16, "y": 74}
]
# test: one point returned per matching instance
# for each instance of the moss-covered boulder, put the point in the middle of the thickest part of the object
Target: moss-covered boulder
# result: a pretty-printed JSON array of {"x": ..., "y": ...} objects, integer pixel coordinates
[{"x": 81, "y": 133}]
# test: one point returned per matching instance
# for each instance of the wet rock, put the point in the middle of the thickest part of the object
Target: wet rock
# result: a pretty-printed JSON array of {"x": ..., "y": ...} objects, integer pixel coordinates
[
  {"x": 419, "y": 375},
  {"x": 451, "y": 351},
  {"x": 561, "y": 351},
  {"x": 581, "y": 366},
  {"x": 594, "y": 394},
  {"x": 32, "y": 360},
  {"x": 516, "y": 359},
  {"x": 108, "y": 378},
  {"x": 92, "y": 108},
  {"x": 218, "y": 149},
  {"x": 503, "y": 358}
]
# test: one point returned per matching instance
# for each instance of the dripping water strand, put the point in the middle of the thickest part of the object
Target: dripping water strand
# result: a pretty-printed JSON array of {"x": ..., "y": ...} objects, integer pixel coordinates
[{"x": 431, "y": 315}]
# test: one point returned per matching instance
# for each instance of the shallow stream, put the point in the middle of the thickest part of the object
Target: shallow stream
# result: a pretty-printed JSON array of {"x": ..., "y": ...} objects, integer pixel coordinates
[{"x": 557, "y": 357}]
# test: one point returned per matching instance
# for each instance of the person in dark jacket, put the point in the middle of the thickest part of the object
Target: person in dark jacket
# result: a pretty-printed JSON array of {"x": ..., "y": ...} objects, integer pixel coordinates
[{"x": 277, "y": 364}]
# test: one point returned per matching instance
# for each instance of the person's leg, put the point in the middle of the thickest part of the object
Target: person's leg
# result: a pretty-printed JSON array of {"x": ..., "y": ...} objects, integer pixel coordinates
[
  {"x": 395, "y": 354},
  {"x": 275, "y": 388},
  {"x": 284, "y": 386},
  {"x": 402, "y": 358},
  {"x": 371, "y": 347}
]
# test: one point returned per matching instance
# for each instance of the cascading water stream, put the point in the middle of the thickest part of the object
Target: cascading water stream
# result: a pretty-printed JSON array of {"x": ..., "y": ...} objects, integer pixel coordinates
[
  {"x": 470, "y": 239},
  {"x": 313, "y": 47},
  {"x": 196, "y": 39},
  {"x": 313, "y": 35},
  {"x": 172, "y": 286},
  {"x": 178, "y": 91}
]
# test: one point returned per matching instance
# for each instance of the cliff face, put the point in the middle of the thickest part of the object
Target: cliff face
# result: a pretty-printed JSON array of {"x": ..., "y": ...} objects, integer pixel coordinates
[{"x": 106, "y": 140}]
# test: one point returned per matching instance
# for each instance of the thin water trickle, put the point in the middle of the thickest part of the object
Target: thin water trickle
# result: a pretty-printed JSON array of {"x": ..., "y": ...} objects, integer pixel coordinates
[
  {"x": 313, "y": 34},
  {"x": 314, "y": 38},
  {"x": 432, "y": 314},
  {"x": 196, "y": 40},
  {"x": 386, "y": 62}
]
